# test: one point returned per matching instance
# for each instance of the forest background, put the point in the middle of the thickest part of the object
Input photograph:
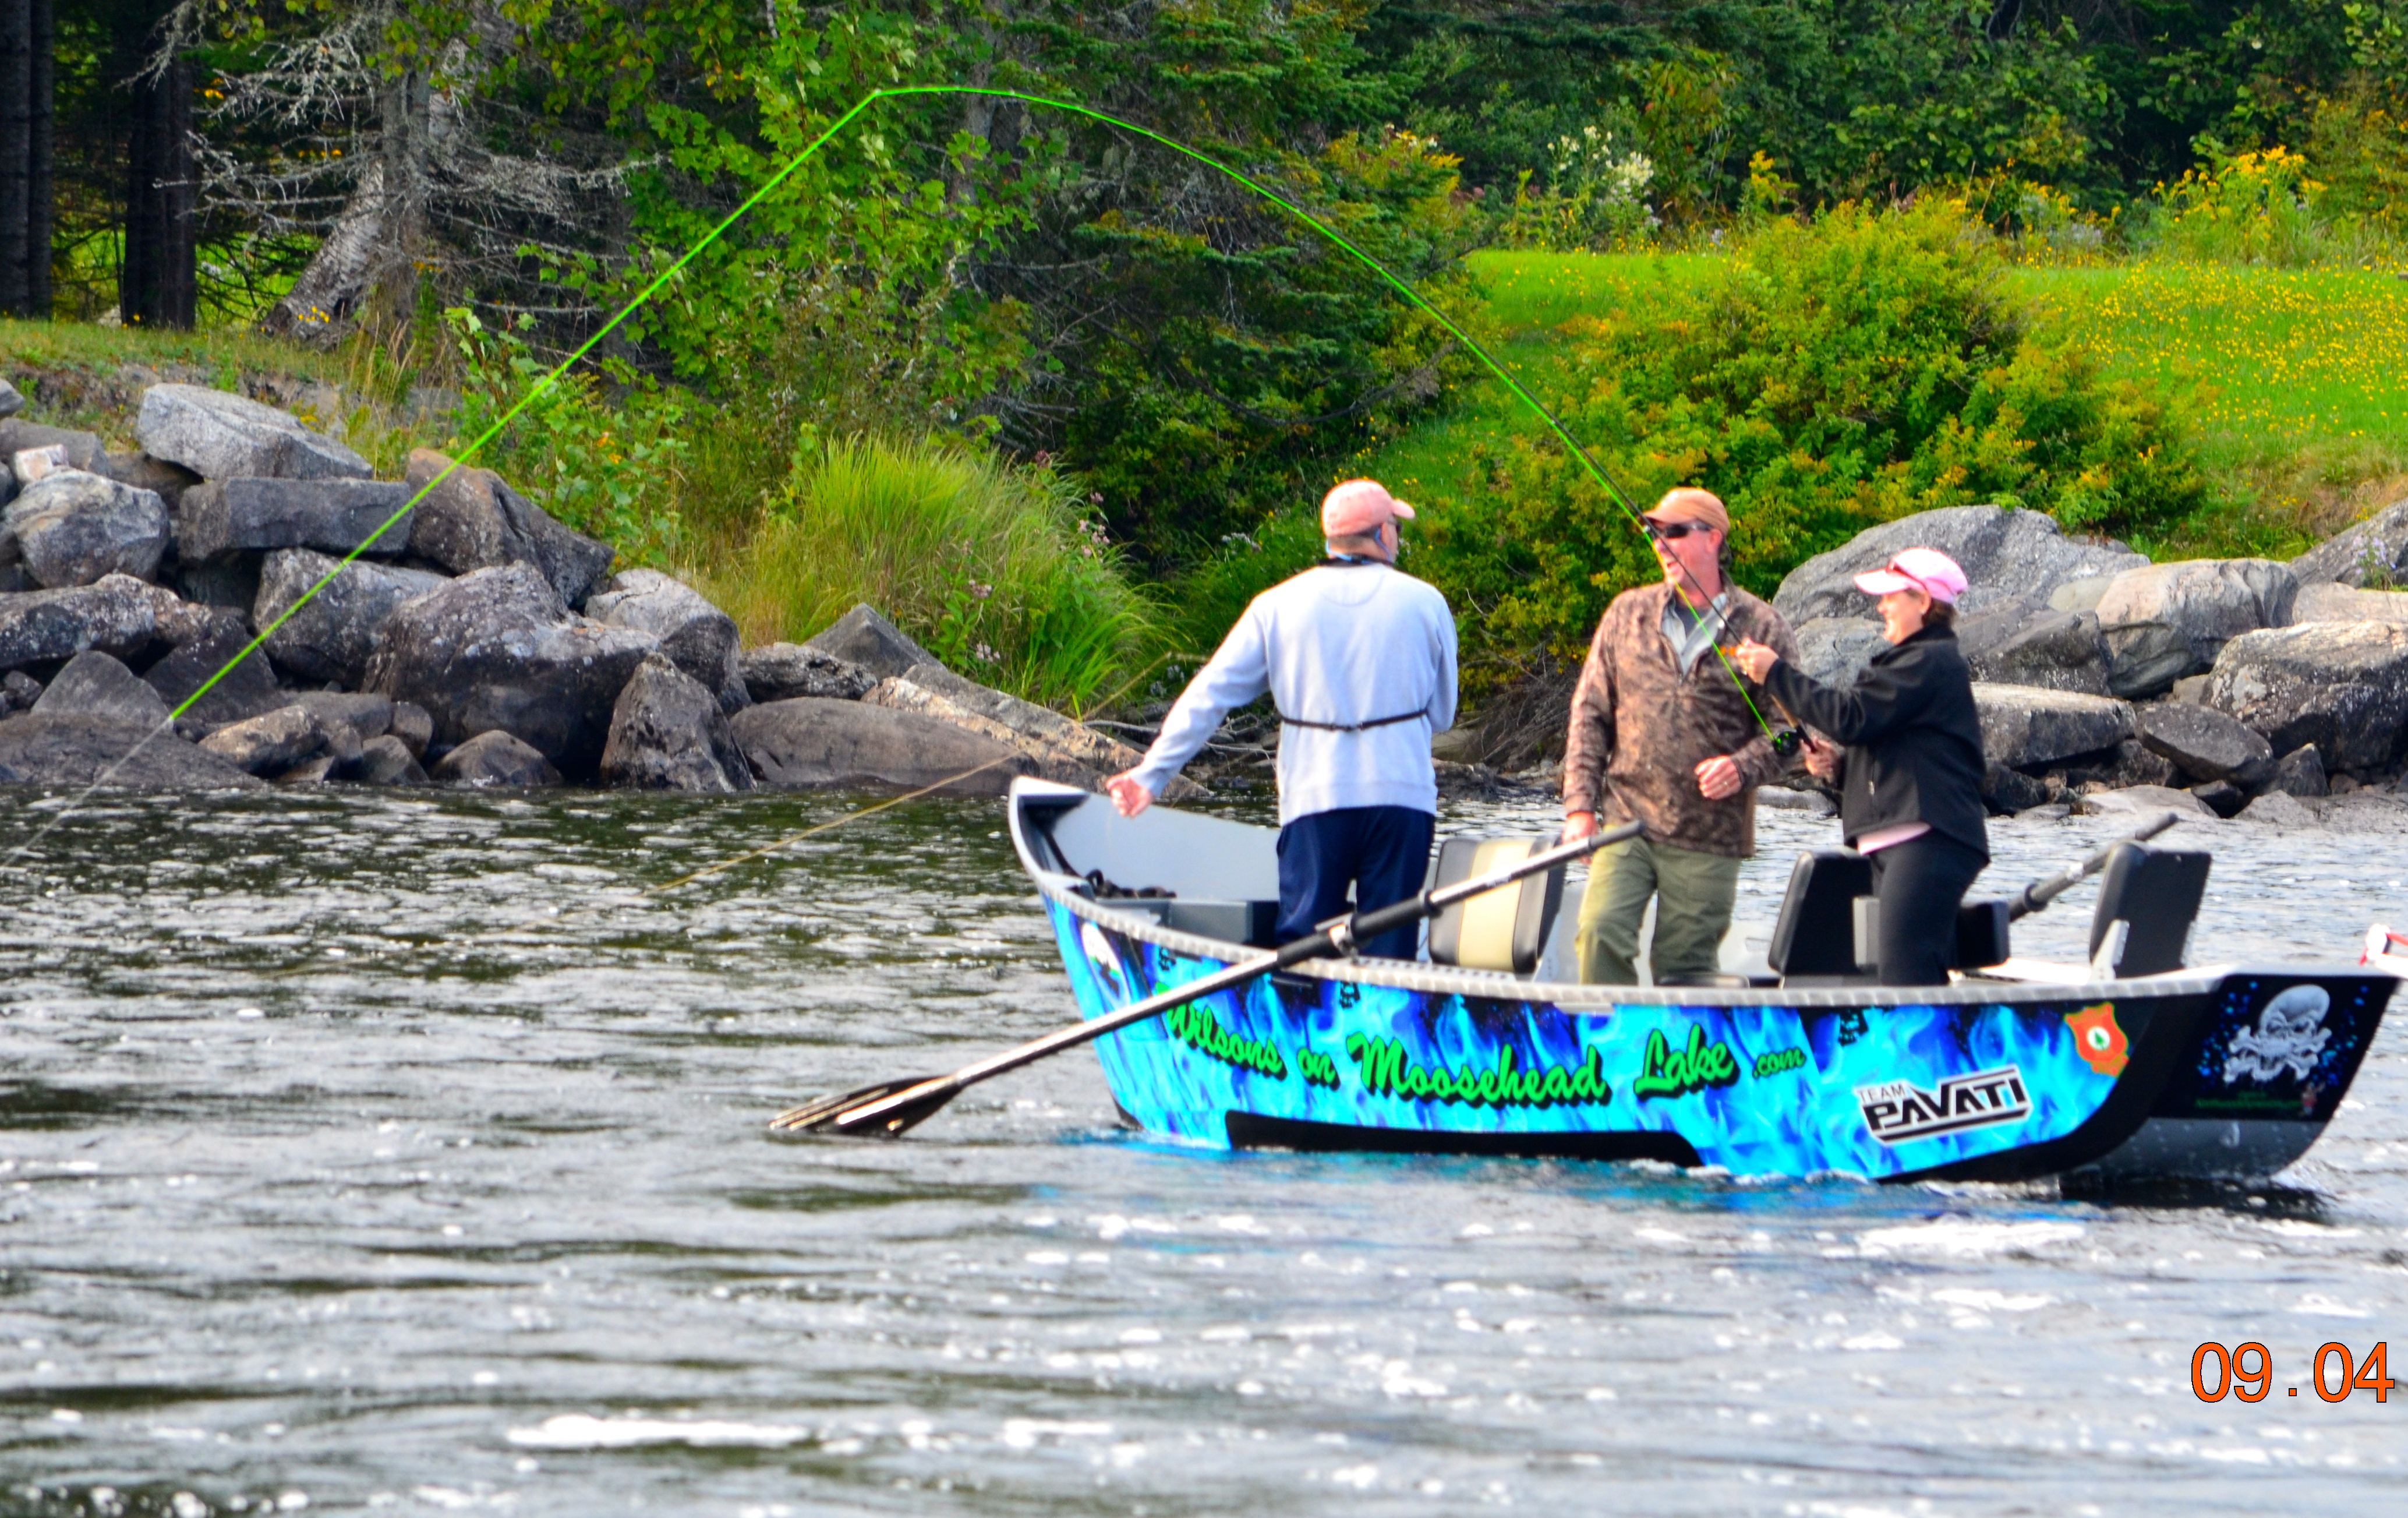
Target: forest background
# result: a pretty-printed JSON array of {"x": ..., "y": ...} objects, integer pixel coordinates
[{"x": 1060, "y": 400}]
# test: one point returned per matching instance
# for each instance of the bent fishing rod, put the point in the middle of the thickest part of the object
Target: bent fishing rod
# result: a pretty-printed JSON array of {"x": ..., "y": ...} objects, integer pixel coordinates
[{"x": 890, "y": 1108}]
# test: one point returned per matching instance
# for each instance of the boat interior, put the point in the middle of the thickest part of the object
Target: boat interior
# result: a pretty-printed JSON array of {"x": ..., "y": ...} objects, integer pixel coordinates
[{"x": 1219, "y": 879}]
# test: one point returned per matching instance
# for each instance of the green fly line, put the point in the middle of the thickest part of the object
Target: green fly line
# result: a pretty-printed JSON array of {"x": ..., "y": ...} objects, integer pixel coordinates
[{"x": 554, "y": 376}]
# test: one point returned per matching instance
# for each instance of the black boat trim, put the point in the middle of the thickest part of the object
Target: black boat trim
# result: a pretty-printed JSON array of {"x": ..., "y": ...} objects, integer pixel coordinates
[{"x": 1252, "y": 1130}]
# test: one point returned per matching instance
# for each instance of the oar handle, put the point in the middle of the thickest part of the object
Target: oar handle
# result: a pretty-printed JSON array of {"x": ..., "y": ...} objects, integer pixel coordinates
[
  {"x": 1337, "y": 938},
  {"x": 2038, "y": 893}
]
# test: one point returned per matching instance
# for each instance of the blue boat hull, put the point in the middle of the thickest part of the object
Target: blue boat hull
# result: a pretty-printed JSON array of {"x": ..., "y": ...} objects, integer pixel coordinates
[{"x": 2222, "y": 1072}]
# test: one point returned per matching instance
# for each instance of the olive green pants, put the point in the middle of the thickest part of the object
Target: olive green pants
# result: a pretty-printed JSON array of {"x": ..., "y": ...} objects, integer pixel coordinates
[{"x": 1693, "y": 895}]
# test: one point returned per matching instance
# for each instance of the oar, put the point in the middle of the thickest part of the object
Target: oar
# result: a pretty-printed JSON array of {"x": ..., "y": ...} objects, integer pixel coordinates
[
  {"x": 2038, "y": 893},
  {"x": 892, "y": 1107}
]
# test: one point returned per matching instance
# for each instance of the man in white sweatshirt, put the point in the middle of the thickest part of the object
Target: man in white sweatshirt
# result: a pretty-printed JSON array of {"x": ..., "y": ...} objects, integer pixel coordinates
[{"x": 1359, "y": 657}]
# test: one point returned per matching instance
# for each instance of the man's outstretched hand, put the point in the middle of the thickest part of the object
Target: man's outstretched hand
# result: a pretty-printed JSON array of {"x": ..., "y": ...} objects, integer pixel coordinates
[{"x": 1129, "y": 794}]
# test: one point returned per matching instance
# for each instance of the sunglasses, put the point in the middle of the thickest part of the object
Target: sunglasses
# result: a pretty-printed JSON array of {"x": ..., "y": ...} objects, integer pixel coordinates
[{"x": 1673, "y": 531}]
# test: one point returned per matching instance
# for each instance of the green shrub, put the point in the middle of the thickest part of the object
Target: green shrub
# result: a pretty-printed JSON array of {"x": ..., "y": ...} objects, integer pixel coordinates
[
  {"x": 1831, "y": 376},
  {"x": 998, "y": 570}
]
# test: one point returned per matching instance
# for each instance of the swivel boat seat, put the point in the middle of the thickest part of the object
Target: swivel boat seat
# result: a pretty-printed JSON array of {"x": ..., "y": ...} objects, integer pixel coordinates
[
  {"x": 1505, "y": 929},
  {"x": 2148, "y": 902}
]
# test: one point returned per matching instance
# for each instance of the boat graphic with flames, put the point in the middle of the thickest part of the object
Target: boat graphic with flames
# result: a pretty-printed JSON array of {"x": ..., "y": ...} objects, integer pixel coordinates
[{"x": 2020, "y": 1071}]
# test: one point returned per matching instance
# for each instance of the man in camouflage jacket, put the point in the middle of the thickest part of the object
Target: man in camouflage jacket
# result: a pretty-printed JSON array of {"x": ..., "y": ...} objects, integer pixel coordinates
[{"x": 1661, "y": 733}]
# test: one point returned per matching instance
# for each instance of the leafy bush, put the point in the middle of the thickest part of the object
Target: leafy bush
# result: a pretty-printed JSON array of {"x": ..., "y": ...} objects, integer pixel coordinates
[
  {"x": 998, "y": 570},
  {"x": 1831, "y": 376},
  {"x": 607, "y": 468}
]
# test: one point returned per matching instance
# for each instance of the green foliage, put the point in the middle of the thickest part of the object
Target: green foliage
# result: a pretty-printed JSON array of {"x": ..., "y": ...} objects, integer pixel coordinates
[
  {"x": 1831, "y": 376},
  {"x": 999, "y": 569},
  {"x": 606, "y": 466}
]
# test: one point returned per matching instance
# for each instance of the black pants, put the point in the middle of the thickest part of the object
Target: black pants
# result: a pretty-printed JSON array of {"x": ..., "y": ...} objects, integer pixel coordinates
[
  {"x": 1381, "y": 851},
  {"x": 1921, "y": 884}
]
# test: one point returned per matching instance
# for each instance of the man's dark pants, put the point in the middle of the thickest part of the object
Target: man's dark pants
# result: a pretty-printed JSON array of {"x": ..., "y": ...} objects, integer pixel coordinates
[{"x": 1383, "y": 852}]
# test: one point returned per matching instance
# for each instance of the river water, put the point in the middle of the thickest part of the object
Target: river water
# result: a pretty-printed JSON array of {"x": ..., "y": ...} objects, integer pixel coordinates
[{"x": 395, "y": 1150}]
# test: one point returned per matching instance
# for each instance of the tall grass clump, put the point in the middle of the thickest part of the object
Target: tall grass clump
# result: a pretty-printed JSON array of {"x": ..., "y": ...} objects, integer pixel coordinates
[{"x": 997, "y": 569}]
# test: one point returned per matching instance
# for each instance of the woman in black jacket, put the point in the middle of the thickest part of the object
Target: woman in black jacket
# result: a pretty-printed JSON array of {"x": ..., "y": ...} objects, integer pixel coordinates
[{"x": 1911, "y": 796}]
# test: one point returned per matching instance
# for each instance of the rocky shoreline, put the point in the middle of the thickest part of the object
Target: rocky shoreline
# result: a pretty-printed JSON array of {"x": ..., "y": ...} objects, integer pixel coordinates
[{"x": 479, "y": 642}]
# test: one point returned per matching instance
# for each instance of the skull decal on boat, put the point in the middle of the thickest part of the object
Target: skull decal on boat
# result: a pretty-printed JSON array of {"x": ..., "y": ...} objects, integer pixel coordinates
[{"x": 2289, "y": 1036}]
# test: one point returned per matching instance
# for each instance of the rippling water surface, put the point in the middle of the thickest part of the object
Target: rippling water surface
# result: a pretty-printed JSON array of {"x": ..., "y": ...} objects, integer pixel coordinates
[{"x": 397, "y": 1150}]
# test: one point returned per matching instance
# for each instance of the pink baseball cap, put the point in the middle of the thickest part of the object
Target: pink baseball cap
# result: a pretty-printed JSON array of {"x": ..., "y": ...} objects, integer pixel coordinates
[
  {"x": 1926, "y": 570},
  {"x": 1357, "y": 508}
]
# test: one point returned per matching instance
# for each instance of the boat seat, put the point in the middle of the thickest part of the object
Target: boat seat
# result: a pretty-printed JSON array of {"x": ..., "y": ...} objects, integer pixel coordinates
[
  {"x": 1505, "y": 929},
  {"x": 1829, "y": 924},
  {"x": 2148, "y": 899},
  {"x": 1813, "y": 939}
]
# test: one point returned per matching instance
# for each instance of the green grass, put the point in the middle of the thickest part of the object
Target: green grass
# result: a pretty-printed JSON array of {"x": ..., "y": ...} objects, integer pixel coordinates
[{"x": 2297, "y": 379}]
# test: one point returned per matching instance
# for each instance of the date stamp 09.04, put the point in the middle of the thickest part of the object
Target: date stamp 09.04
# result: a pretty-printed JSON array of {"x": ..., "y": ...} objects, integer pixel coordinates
[{"x": 2246, "y": 1371}]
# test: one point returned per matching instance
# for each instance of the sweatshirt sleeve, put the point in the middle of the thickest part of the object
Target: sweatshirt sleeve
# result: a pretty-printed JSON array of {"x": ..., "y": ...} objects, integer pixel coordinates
[
  {"x": 1239, "y": 671},
  {"x": 1757, "y": 763},
  {"x": 1588, "y": 742},
  {"x": 1885, "y": 698}
]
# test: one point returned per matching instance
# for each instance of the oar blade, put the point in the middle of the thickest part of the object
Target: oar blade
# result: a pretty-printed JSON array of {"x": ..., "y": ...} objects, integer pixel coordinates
[{"x": 850, "y": 1113}]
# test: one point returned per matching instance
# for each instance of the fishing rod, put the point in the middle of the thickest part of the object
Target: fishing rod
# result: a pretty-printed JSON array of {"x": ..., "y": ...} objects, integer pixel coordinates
[
  {"x": 890, "y": 1108},
  {"x": 661, "y": 281}
]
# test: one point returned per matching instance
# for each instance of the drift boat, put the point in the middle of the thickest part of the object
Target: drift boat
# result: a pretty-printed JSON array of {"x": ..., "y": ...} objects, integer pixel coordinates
[{"x": 2131, "y": 1066}]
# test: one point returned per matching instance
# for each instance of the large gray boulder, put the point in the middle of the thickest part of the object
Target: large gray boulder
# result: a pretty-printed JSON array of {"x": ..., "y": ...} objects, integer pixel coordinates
[
  {"x": 2148, "y": 801},
  {"x": 474, "y": 521},
  {"x": 2327, "y": 601},
  {"x": 2300, "y": 773},
  {"x": 2205, "y": 743},
  {"x": 667, "y": 733},
  {"x": 863, "y": 637},
  {"x": 1836, "y": 649},
  {"x": 96, "y": 686},
  {"x": 114, "y": 615},
  {"x": 368, "y": 714},
  {"x": 2025, "y": 727},
  {"x": 2341, "y": 685},
  {"x": 222, "y": 516},
  {"x": 2008, "y": 556},
  {"x": 2374, "y": 552},
  {"x": 781, "y": 671},
  {"x": 271, "y": 743},
  {"x": 1060, "y": 749},
  {"x": 387, "y": 761},
  {"x": 2162, "y": 622},
  {"x": 496, "y": 650},
  {"x": 204, "y": 645},
  {"x": 220, "y": 436},
  {"x": 73, "y": 529},
  {"x": 332, "y": 634},
  {"x": 44, "y": 750},
  {"x": 495, "y": 759},
  {"x": 12, "y": 402},
  {"x": 2045, "y": 649},
  {"x": 698, "y": 637},
  {"x": 809, "y": 742},
  {"x": 168, "y": 482}
]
